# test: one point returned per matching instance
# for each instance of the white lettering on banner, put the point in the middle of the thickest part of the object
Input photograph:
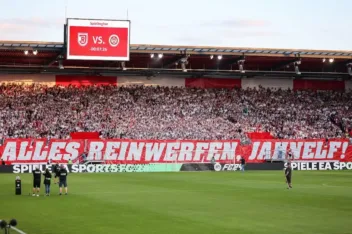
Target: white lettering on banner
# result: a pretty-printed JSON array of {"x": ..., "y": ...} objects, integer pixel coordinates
[
  {"x": 311, "y": 150},
  {"x": 111, "y": 168},
  {"x": 72, "y": 150},
  {"x": 336, "y": 166},
  {"x": 334, "y": 146},
  {"x": 123, "y": 150},
  {"x": 200, "y": 149},
  {"x": 186, "y": 151},
  {"x": 99, "y": 168},
  {"x": 308, "y": 150},
  {"x": 135, "y": 152},
  {"x": 17, "y": 169},
  {"x": 313, "y": 166},
  {"x": 231, "y": 167},
  {"x": 24, "y": 153},
  {"x": 349, "y": 166},
  {"x": 91, "y": 168},
  {"x": 95, "y": 151},
  {"x": 154, "y": 151},
  {"x": 22, "y": 168},
  {"x": 55, "y": 150},
  {"x": 296, "y": 148},
  {"x": 129, "y": 168},
  {"x": 265, "y": 151},
  {"x": 255, "y": 149},
  {"x": 229, "y": 151},
  {"x": 171, "y": 151},
  {"x": 320, "y": 151},
  {"x": 171, "y": 154},
  {"x": 280, "y": 146},
  {"x": 327, "y": 166},
  {"x": 81, "y": 167},
  {"x": 213, "y": 150},
  {"x": 39, "y": 154},
  {"x": 110, "y": 153},
  {"x": 9, "y": 153},
  {"x": 106, "y": 168},
  {"x": 342, "y": 165}
]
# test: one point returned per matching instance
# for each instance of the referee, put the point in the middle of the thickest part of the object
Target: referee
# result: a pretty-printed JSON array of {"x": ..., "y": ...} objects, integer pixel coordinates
[{"x": 288, "y": 175}]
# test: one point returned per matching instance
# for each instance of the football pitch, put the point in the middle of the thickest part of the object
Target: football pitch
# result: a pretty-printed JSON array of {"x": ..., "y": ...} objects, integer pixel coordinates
[{"x": 254, "y": 202}]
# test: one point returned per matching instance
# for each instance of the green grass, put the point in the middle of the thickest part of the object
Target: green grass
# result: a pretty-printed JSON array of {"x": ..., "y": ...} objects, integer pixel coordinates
[{"x": 255, "y": 202}]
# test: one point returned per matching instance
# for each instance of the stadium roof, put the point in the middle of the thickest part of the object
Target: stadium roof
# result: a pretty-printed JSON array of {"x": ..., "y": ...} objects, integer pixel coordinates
[{"x": 258, "y": 61}]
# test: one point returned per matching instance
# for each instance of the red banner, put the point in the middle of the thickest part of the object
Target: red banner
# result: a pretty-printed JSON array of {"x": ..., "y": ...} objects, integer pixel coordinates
[
  {"x": 84, "y": 135},
  {"x": 318, "y": 85},
  {"x": 140, "y": 151},
  {"x": 79, "y": 81},
  {"x": 212, "y": 83},
  {"x": 98, "y": 39},
  {"x": 259, "y": 135}
]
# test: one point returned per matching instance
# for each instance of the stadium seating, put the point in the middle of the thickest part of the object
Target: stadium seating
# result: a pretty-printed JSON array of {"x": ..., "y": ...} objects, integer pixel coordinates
[{"x": 141, "y": 112}]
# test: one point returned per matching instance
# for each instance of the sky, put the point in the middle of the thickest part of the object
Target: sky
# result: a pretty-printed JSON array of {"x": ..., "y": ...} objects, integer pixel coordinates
[{"x": 299, "y": 24}]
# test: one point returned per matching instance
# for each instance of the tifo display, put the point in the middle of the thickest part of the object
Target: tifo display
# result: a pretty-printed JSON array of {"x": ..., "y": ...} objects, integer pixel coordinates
[{"x": 139, "y": 151}]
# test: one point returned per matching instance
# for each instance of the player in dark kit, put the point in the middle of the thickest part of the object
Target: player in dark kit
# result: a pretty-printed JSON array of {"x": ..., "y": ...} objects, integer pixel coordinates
[
  {"x": 288, "y": 175},
  {"x": 36, "y": 181},
  {"x": 55, "y": 169},
  {"x": 63, "y": 179}
]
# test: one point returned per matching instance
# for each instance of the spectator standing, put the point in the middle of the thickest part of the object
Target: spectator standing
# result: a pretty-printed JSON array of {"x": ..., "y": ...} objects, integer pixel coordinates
[{"x": 47, "y": 181}]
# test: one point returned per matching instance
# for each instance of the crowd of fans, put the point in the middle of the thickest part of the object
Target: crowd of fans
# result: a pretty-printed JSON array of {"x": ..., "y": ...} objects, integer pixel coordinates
[{"x": 141, "y": 112}]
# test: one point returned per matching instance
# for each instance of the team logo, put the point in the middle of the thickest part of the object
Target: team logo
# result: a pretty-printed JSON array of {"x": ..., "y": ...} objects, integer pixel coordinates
[
  {"x": 217, "y": 167},
  {"x": 114, "y": 40},
  {"x": 82, "y": 39}
]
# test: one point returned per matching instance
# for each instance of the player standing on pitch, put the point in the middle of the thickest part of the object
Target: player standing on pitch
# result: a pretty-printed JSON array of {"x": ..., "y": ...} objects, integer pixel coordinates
[
  {"x": 288, "y": 174},
  {"x": 55, "y": 169},
  {"x": 36, "y": 181},
  {"x": 62, "y": 179}
]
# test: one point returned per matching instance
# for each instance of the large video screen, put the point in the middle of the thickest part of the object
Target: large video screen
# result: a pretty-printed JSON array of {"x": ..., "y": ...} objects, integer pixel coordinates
[{"x": 89, "y": 39}]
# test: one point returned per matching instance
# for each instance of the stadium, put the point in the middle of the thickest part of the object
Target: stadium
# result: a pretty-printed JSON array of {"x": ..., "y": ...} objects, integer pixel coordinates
[{"x": 184, "y": 117}]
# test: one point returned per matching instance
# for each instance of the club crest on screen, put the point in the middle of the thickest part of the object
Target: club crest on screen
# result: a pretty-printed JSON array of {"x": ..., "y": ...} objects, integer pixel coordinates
[
  {"x": 82, "y": 39},
  {"x": 114, "y": 40}
]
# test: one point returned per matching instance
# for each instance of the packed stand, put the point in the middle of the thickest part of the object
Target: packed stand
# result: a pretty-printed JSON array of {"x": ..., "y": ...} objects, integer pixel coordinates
[{"x": 142, "y": 112}]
